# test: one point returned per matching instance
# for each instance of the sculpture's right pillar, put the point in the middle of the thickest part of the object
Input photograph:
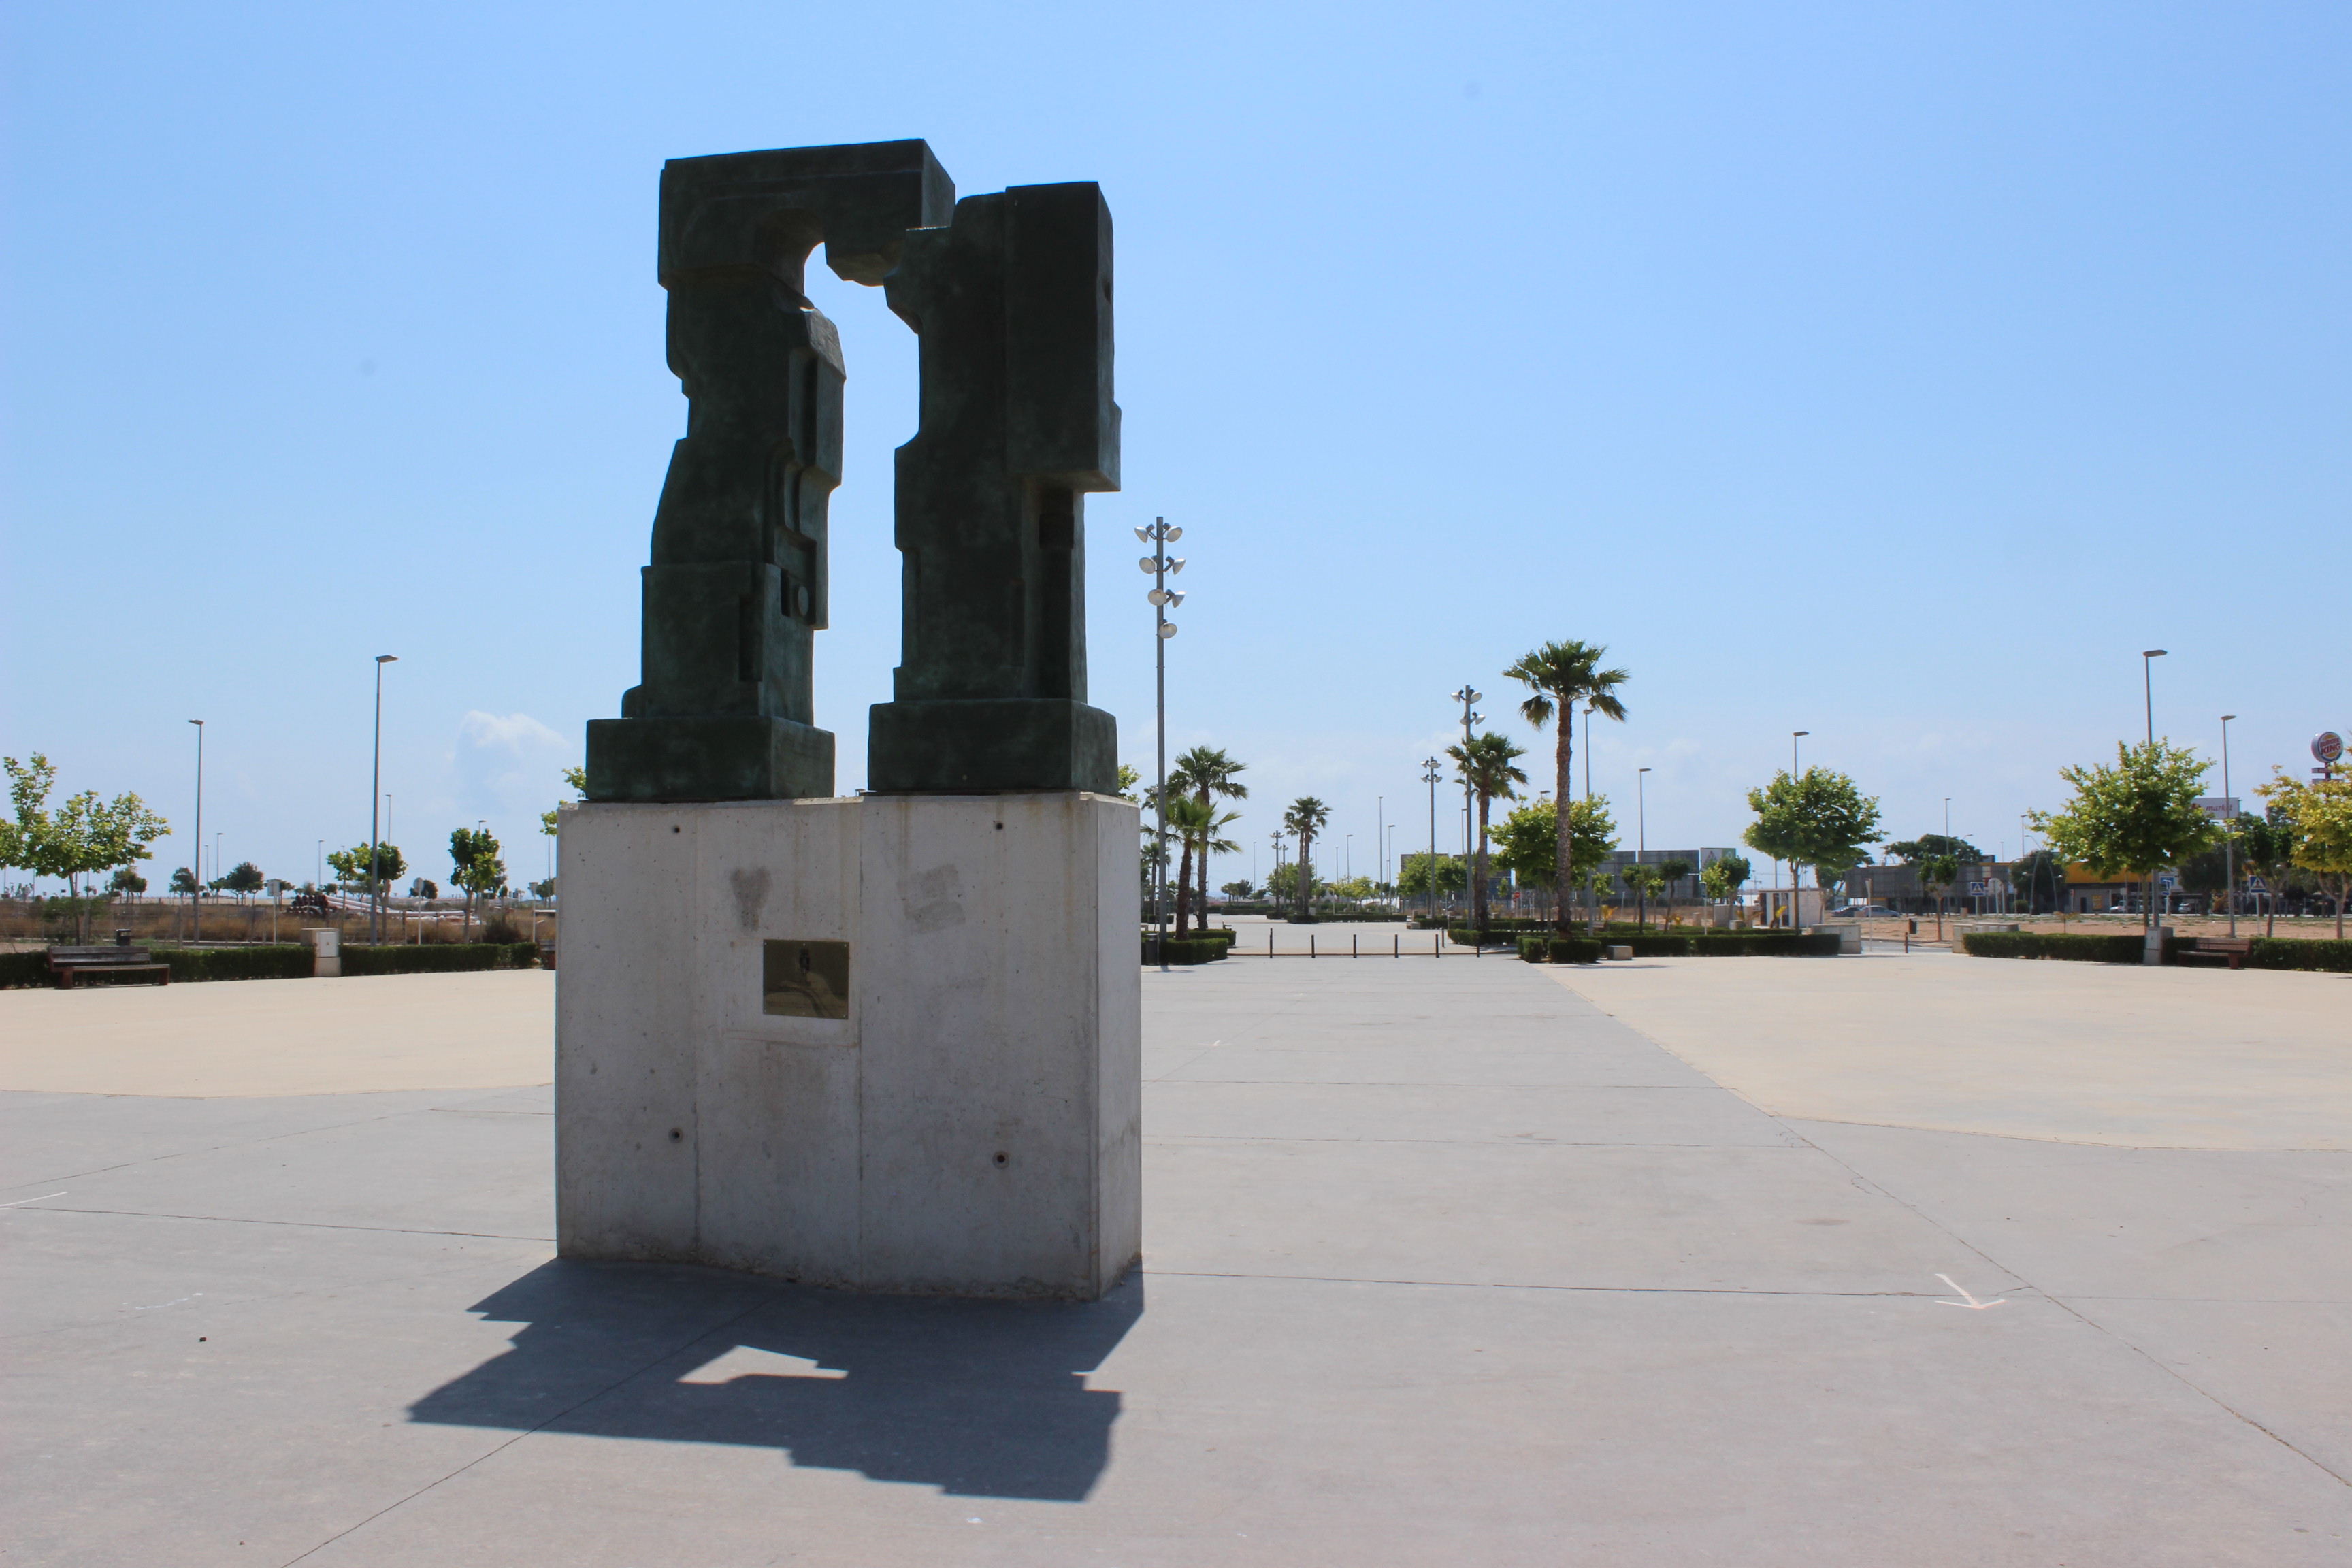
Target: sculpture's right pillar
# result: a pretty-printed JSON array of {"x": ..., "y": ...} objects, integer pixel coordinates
[{"x": 1012, "y": 302}]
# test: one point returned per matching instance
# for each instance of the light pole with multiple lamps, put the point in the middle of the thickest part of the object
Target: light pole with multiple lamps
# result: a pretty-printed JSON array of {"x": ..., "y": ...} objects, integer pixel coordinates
[
  {"x": 1162, "y": 598},
  {"x": 1469, "y": 812},
  {"x": 196, "y": 894},
  {"x": 1430, "y": 775},
  {"x": 376, "y": 800}
]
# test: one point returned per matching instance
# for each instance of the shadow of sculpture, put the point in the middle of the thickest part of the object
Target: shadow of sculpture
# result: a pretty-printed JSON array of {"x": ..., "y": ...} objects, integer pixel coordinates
[{"x": 978, "y": 1399}]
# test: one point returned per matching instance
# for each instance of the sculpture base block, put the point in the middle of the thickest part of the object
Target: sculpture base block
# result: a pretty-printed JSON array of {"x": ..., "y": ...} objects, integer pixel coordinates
[
  {"x": 717, "y": 757},
  {"x": 967, "y": 1124},
  {"x": 975, "y": 745}
]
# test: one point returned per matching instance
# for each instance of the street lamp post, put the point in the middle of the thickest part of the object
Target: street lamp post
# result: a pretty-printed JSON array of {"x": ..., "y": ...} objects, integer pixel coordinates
[
  {"x": 1430, "y": 777},
  {"x": 2229, "y": 844},
  {"x": 1796, "y": 872},
  {"x": 1641, "y": 834},
  {"x": 375, "y": 788},
  {"x": 1588, "y": 751},
  {"x": 1161, "y": 598},
  {"x": 2147, "y": 658},
  {"x": 196, "y": 894}
]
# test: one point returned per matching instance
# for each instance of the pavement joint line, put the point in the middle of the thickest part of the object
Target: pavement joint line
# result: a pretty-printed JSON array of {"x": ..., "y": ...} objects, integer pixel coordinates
[
  {"x": 1572, "y": 1289},
  {"x": 218, "y": 1148},
  {"x": 2066, "y": 1142},
  {"x": 1520, "y": 1140},
  {"x": 1513, "y": 1087},
  {"x": 1869, "y": 1185},
  {"x": 2076, "y": 1312},
  {"x": 763, "y": 1299},
  {"x": 299, "y": 1224}
]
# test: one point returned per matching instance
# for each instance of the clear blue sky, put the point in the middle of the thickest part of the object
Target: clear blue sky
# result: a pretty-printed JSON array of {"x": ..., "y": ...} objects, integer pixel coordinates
[{"x": 1894, "y": 372}]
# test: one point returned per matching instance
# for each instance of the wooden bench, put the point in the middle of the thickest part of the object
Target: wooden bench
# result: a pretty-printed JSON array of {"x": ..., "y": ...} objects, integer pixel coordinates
[
  {"x": 2235, "y": 949},
  {"x": 70, "y": 963}
]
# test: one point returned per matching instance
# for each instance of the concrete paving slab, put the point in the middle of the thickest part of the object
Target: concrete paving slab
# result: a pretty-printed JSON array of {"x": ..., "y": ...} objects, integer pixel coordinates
[
  {"x": 248, "y": 1037},
  {"x": 1570, "y": 1321},
  {"x": 2185, "y": 1058}
]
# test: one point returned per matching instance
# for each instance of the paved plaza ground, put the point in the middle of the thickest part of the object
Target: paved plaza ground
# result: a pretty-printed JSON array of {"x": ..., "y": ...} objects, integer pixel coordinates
[{"x": 1447, "y": 1261}]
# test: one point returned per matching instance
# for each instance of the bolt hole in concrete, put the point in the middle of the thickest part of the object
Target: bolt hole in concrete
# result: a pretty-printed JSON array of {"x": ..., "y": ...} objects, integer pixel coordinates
[
  {"x": 677, "y": 1133},
  {"x": 1001, "y": 1157}
]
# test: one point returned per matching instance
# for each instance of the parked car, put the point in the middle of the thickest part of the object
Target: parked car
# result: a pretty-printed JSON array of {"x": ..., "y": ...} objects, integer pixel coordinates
[{"x": 1861, "y": 912}]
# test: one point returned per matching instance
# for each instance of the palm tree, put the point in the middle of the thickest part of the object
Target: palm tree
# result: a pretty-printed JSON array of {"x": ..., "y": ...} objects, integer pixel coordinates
[
  {"x": 1208, "y": 772},
  {"x": 1306, "y": 817},
  {"x": 1485, "y": 763},
  {"x": 1562, "y": 674},
  {"x": 1187, "y": 821}
]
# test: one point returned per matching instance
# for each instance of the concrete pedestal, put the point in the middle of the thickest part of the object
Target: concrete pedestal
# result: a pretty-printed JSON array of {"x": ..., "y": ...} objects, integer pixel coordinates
[{"x": 887, "y": 1043}]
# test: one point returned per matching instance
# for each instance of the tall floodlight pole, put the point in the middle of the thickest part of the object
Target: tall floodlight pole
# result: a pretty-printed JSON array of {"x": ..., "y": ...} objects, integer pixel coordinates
[
  {"x": 1588, "y": 751},
  {"x": 376, "y": 800},
  {"x": 1430, "y": 775},
  {"x": 2229, "y": 844},
  {"x": 1642, "y": 833},
  {"x": 1469, "y": 817},
  {"x": 2147, "y": 658},
  {"x": 1379, "y": 840},
  {"x": 196, "y": 870},
  {"x": 1159, "y": 563}
]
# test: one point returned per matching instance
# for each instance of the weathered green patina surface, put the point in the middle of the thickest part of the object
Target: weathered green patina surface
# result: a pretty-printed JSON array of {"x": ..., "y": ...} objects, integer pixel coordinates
[{"x": 1011, "y": 294}]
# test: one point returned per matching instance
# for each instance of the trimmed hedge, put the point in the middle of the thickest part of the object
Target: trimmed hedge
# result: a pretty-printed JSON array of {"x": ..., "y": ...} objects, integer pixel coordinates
[
  {"x": 283, "y": 961},
  {"x": 187, "y": 964},
  {"x": 24, "y": 968},
  {"x": 1728, "y": 944},
  {"x": 2267, "y": 952},
  {"x": 1187, "y": 949},
  {"x": 2286, "y": 952},
  {"x": 2054, "y": 944},
  {"x": 439, "y": 958}
]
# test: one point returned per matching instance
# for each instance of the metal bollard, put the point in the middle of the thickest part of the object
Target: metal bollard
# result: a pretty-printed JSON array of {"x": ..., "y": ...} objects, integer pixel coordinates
[
  {"x": 1310, "y": 944},
  {"x": 1396, "y": 945},
  {"x": 1269, "y": 941},
  {"x": 1352, "y": 946}
]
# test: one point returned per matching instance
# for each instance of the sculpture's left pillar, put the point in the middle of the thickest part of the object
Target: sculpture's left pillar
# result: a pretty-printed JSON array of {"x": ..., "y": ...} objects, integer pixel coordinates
[{"x": 736, "y": 589}]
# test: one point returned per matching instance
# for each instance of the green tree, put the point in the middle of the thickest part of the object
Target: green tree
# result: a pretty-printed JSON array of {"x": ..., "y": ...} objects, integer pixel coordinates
[
  {"x": 1644, "y": 880},
  {"x": 85, "y": 835},
  {"x": 1724, "y": 875},
  {"x": 1913, "y": 850},
  {"x": 1198, "y": 828},
  {"x": 1488, "y": 764},
  {"x": 2266, "y": 844},
  {"x": 128, "y": 882},
  {"x": 1560, "y": 675},
  {"x": 244, "y": 878},
  {"x": 2040, "y": 880},
  {"x": 1937, "y": 873},
  {"x": 1238, "y": 890},
  {"x": 576, "y": 780},
  {"x": 184, "y": 881},
  {"x": 1528, "y": 841},
  {"x": 1127, "y": 779},
  {"x": 474, "y": 852},
  {"x": 1209, "y": 775},
  {"x": 350, "y": 866},
  {"x": 1413, "y": 874},
  {"x": 1306, "y": 817},
  {"x": 2322, "y": 815},
  {"x": 1670, "y": 871},
  {"x": 2134, "y": 818},
  {"x": 1817, "y": 818}
]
